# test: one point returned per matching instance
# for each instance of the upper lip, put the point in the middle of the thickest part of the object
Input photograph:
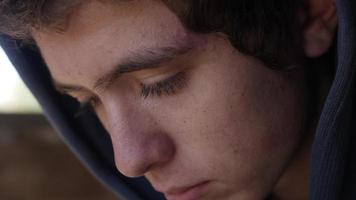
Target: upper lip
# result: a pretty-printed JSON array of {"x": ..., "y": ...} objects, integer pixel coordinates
[{"x": 179, "y": 190}]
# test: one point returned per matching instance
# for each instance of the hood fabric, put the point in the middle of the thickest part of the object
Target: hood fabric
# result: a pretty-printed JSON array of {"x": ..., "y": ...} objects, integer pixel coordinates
[{"x": 333, "y": 165}]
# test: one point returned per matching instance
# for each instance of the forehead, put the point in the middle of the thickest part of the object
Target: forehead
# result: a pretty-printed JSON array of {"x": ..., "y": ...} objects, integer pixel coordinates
[{"x": 101, "y": 35}]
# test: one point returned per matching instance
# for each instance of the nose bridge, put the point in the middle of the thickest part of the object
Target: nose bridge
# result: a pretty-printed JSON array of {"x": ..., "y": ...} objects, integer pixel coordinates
[
  {"x": 138, "y": 142},
  {"x": 121, "y": 114}
]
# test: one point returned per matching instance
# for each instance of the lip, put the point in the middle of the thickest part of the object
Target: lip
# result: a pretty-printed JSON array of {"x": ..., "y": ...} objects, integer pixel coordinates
[{"x": 187, "y": 193}]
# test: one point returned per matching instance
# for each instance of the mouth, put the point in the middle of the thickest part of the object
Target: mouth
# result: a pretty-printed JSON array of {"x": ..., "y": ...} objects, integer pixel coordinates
[{"x": 194, "y": 192}]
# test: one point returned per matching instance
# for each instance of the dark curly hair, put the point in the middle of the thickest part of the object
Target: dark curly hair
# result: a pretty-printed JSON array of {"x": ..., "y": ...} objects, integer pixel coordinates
[{"x": 268, "y": 30}]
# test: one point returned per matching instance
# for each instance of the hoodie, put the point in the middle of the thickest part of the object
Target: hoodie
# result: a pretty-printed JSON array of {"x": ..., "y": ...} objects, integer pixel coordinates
[{"x": 333, "y": 164}]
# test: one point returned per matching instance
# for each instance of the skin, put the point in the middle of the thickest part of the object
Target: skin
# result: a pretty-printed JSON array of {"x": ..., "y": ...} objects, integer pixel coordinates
[{"x": 234, "y": 122}]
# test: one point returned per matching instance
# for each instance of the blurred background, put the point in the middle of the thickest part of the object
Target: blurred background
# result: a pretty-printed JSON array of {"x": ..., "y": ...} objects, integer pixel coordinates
[{"x": 34, "y": 163}]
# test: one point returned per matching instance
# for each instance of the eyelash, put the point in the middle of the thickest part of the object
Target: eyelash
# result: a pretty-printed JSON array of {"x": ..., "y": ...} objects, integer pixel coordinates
[{"x": 165, "y": 87}]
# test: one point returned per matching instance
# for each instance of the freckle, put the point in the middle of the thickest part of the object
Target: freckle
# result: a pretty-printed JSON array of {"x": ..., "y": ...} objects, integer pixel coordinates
[
  {"x": 243, "y": 93},
  {"x": 156, "y": 122},
  {"x": 235, "y": 151}
]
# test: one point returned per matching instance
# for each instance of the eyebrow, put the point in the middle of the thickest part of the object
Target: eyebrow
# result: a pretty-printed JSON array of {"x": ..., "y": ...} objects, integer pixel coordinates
[{"x": 144, "y": 59}]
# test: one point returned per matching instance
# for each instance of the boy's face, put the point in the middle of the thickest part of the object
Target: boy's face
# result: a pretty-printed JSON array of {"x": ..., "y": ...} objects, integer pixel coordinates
[{"x": 197, "y": 118}]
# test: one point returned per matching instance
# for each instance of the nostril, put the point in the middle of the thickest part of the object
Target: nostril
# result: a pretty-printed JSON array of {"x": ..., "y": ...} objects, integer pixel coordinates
[{"x": 131, "y": 170}]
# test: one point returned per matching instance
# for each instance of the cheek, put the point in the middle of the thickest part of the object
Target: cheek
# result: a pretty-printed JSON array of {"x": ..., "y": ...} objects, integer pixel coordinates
[
  {"x": 249, "y": 103},
  {"x": 233, "y": 117},
  {"x": 263, "y": 113}
]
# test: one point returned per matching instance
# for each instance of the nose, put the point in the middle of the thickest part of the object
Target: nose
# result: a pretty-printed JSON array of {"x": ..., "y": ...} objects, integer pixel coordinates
[{"x": 138, "y": 142}]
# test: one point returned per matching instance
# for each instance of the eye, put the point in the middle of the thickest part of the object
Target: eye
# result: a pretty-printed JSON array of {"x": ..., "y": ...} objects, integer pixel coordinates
[
  {"x": 92, "y": 102},
  {"x": 166, "y": 87},
  {"x": 86, "y": 105}
]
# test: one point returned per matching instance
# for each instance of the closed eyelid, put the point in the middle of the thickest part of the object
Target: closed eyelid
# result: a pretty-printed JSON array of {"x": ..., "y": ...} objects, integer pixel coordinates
[
  {"x": 167, "y": 86},
  {"x": 147, "y": 59}
]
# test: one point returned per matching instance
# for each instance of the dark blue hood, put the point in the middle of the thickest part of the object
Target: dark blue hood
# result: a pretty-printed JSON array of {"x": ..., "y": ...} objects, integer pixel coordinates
[{"x": 333, "y": 166}]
